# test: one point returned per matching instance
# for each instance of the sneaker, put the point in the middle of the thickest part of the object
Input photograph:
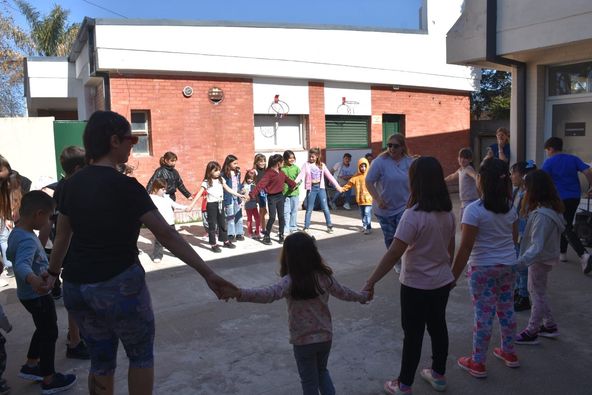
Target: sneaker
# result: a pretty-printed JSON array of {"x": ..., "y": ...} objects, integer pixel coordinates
[
  {"x": 563, "y": 257},
  {"x": 266, "y": 240},
  {"x": 281, "y": 239},
  {"x": 9, "y": 272},
  {"x": 257, "y": 237},
  {"x": 475, "y": 369},
  {"x": 398, "y": 267},
  {"x": 56, "y": 293},
  {"x": 32, "y": 373},
  {"x": 522, "y": 303},
  {"x": 511, "y": 360},
  {"x": 526, "y": 338},
  {"x": 329, "y": 229},
  {"x": 437, "y": 381},
  {"x": 216, "y": 248},
  {"x": 346, "y": 206},
  {"x": 59, "y": 383},
  {"x": 231, "y": 238},
  {"x": 545, "y": 331},
  {"x": 156, "y": 260},
  {"x": 587, "y": 265},
  {"x": 306, "y": 230},
  {"x": 367, "y": 231},
  {"x": 4, "y": 388},
  {"x": 333, "y": 205},
  {"x": 394, "y": 387},
  {"x": 228, "y": 244},
  {"x": 78, "y": 352},
  {"x": 240, "y": 237}
]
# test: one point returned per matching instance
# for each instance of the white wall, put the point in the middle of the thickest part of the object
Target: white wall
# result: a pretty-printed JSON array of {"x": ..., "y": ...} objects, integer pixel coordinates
[
  {"x": 359, "y": 98},
  {"x": 292, "y": 92},
  {"x": 28, "y": 145}
]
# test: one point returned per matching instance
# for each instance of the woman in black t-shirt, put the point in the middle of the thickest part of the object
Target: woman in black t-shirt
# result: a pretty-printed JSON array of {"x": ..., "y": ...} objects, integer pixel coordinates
[{"x": 101, "y": 211}]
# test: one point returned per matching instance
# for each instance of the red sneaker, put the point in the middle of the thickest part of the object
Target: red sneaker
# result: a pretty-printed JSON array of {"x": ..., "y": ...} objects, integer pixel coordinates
[
  {"x": 475, "y": 369},
  {"x": 511, "y": 360}
]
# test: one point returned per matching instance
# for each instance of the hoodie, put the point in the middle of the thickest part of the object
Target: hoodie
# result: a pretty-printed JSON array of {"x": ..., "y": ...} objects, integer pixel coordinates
[
  {"x": 358, "y": 181},
  {"x": 541, "y": 236}
]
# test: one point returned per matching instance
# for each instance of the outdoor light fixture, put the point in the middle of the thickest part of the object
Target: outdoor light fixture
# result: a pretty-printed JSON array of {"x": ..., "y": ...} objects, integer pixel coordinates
[
  {"x": 216, "y": 95},
  {"x": 188, "y": 91}
]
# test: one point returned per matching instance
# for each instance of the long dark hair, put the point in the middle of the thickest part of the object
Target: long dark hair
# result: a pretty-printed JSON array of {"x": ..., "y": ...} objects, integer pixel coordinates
[
  {"x": 274, "y": 160},
  {"x": 300, "y": 259},
  {"x": 495, "y": 185},
  {"x": 5, "y": 207},
  {"x": 540, "y": 192},
  {"x": 226, "y": 166},
  {"x": 168, "y": 156},
  {"x": 98, "y": 131},
  {"x": 427, "y": 186},
  {"x": 211, "y": 166},
  {"x": 287, "y": 155}
]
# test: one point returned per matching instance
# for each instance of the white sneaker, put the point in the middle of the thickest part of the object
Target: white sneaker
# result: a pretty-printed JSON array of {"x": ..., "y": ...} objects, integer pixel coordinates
[
  {"x": 346, "y": 206},
  {"x": 563, "y": 257},
  {"x": 156, "y": 260}
]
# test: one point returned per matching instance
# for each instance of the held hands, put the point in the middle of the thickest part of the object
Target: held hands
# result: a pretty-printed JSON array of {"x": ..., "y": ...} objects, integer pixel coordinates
[
  {"x": 369, "y": 290},
  {"x": 221, "y": 287},
  {"x": 381, "y": 203},
  {"x": 40, "y": 284}
]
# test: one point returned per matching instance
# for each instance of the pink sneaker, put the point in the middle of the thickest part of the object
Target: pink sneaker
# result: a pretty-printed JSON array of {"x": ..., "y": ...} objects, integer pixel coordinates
[
  {"x": 475, "y": 369},
  {"x": 393, "y": 387},
  {"x": 511, "y": 360}
]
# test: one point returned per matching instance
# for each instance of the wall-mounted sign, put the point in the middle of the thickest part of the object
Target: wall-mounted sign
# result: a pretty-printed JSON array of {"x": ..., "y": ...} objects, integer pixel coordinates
[
  {"x": 575, "y": 129},
  {"x": 376, "y": 119}
]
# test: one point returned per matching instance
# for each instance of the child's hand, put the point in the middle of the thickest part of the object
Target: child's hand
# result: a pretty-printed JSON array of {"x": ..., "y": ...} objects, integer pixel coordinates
[
  {"x": 40, "y": 285},
  {"x": 369, "y": 289}
]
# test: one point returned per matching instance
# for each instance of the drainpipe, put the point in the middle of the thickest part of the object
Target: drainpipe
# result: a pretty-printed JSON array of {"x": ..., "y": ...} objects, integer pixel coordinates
[
  {"x": 92, "y": 60},
  {"x": 519, "y": 83}
]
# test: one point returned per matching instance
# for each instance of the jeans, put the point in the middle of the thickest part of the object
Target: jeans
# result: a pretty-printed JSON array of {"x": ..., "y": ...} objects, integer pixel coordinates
[
  {"x": 366, "y": 213},
  {"x": 346, "y": 197},
  {"x": 389, "y": 227},
  {"x": 315, "y": 190},
  {"x": 421, "y": 308},
  {"x": 44, "y": 338},
  {"x": 312, "y": 368},
  {"x": 275, "y": 205},
  {"x": 234, "y": 218},
  {"x": 291, "y": 213},
  {"x": 4, "y": 233},
  {"x": 569, "y": 236}
]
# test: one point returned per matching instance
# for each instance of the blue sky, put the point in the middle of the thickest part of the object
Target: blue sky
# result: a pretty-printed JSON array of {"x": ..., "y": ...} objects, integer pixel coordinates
[{"x": 380, "y": 14}]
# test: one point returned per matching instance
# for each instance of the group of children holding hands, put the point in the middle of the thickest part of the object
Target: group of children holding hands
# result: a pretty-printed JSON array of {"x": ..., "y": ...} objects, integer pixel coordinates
[{"x": 490, "y": 232}]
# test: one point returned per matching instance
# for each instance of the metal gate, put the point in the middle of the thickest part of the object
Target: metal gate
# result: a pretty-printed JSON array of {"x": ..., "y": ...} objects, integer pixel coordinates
[{"x": 65, "y": 134}]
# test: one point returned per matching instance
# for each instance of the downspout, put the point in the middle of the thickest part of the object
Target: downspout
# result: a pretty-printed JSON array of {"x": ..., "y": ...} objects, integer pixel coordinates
[
  {"x": 92, "y": 60},
  {"x": 492, "y": 57}
]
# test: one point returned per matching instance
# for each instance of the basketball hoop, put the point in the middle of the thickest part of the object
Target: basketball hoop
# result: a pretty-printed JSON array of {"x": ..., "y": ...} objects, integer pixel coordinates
[
  {"x": 278, "y": 108},
  {"x": 347, "y": 107}
]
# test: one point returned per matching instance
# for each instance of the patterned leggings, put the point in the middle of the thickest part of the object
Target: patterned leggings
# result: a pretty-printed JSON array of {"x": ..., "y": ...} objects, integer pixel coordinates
[{"x": 491, "y": 290}]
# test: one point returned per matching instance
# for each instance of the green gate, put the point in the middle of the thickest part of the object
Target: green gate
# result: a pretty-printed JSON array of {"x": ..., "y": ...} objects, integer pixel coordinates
[{"x": 65, "y": 134}]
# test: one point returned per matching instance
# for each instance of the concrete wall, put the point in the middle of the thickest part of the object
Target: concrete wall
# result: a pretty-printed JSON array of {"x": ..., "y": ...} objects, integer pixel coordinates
[{"x": 28, "y": 145}]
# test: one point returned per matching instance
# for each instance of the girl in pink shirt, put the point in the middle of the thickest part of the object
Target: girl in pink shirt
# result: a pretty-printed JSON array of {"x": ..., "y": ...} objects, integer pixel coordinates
[
  {"x": 426, "y": 235},
  {"x": 306, "y": 284}
]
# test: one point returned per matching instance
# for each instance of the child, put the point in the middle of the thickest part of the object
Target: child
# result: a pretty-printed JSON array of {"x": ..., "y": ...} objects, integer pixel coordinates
[
  {"x": 314, "y": 172},
  {"x": 5, "y": 325},
  {"x": 363, "y": 197},
  {"x": 539, "y": 251},
  {"x": 232, "y": 203},
  {"x": 306, "y": 284},
  {"x": 489, "y": 232},
  {"x": 291, "y": 195},
  {"x": 466, "y": 176},
  {"x": 6, "y": 220},
  {"x": 259, "y": 164},
  {"x": 251, "y": 206},
  {"x": 215, "y": 188},
  {"x": 165, "y": 206},
  {"x": 172, "y": 177},
  {"x": 342, "y": 171},
  {"x": 426, "y": 235},
  {"x": 30, "y": 262},
  {"x": 273, "y": 184},
  {"x": 517, "y": 173}
]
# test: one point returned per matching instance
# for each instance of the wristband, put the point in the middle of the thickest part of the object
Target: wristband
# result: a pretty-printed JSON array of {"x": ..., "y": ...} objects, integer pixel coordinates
[{"x": 52, "y": 273}]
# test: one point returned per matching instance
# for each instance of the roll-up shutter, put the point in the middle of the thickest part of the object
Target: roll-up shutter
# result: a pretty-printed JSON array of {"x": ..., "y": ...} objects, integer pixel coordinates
[{"x": 347, "y": 131}]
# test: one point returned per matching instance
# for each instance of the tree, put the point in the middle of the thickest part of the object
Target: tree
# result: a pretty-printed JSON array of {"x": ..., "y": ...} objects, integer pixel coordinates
[
  {"x": 493, "y": 99},
  {"x": 51, "y": 34}
]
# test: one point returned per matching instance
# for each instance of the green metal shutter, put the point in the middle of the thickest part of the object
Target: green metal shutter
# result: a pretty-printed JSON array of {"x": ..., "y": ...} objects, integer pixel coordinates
[
  {"x": 388, "y": 129},
  {"x": 65, "y": 134},
  {"x": 347, "y": 131}
]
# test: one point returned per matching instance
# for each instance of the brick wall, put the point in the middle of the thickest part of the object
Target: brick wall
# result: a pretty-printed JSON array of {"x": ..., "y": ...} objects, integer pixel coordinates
[
  {"x": 436, "y": 123},
  {"x": 316, "y": 119},
  {"x": 100, "y": 96},
  {"x": 195, "y": 129}
]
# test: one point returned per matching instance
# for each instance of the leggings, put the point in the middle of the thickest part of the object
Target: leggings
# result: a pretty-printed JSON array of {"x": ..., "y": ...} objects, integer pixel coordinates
[{"x": 275, "y": 205}]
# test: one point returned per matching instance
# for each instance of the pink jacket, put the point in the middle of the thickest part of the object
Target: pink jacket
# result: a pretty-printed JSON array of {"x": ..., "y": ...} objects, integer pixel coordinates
[{"x": 305, "y": 173}]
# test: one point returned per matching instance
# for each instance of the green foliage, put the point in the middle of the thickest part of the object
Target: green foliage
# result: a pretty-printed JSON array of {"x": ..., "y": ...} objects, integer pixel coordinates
[{"x": 493, "y": 99}]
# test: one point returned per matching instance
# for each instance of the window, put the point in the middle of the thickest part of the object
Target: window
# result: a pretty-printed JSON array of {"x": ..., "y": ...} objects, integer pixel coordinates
[
  {"x": 141, "y": 128},
  {"x": 279, "y": 134},
  {"x": 570, "y": 79},
  {"x": 347, "y": 131}
]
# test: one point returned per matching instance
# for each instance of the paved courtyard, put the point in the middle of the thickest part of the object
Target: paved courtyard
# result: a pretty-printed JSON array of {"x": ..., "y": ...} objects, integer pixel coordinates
[{"x": 205, "y": 346}]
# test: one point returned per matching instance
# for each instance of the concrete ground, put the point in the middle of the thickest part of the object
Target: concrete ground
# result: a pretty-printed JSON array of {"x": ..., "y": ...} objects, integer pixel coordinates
[{"x": 205, "y": 346}]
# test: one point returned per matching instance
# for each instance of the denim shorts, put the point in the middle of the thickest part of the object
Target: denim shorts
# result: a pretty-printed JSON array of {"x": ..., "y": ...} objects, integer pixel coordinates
[{"x": 117, "y": 309}]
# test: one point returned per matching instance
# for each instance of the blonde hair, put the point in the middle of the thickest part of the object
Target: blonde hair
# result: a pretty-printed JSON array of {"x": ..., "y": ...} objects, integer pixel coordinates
[{"x": 400, "y": 140}]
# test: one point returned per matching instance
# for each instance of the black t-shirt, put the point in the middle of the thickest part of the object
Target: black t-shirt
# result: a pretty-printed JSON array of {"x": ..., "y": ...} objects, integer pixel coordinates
[{"x": 104, "y": 208}]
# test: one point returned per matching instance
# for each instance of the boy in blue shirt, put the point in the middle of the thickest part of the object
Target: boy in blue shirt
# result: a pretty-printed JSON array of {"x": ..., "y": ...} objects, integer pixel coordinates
[{"x": 30, "y": 266}]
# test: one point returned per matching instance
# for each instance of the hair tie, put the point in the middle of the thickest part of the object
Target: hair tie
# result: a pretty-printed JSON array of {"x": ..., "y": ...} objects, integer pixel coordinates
[{"x": 530, "y": 164}]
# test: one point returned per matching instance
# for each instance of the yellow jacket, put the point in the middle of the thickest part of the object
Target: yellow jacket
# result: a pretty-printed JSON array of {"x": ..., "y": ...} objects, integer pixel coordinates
[{"x": 358, "y": 180}]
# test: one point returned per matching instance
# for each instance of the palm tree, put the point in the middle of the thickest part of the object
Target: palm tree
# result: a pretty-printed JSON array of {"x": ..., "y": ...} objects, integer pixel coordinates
[{"x": 51, "y": 34}]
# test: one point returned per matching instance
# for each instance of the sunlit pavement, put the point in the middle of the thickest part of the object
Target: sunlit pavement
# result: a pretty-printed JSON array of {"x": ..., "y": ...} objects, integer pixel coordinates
[{"x": 205, "y": 346}]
